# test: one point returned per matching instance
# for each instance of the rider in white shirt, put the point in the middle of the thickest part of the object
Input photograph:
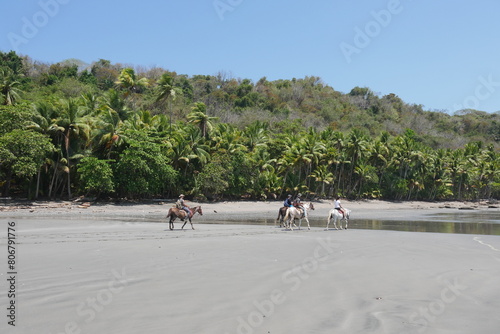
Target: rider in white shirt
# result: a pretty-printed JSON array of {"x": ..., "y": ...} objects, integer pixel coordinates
[{"x": 338, "y": 206}]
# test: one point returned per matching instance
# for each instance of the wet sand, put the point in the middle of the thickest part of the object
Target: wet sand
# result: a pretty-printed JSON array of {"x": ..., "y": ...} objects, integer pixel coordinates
[{"x": 118, "y": 269}]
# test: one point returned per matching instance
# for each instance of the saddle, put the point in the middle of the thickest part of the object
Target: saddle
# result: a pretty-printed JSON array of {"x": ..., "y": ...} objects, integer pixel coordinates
[
  {"x": 301, "y": 212},
  {"x": 183, "y": 214}
]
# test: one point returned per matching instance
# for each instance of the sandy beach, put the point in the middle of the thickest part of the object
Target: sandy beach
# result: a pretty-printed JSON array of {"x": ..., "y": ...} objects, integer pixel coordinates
[{"x": 105, "y": 268}]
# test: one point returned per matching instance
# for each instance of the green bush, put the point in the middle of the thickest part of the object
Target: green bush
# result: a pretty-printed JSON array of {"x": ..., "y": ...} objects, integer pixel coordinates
[{"x": 96, "y": 176}]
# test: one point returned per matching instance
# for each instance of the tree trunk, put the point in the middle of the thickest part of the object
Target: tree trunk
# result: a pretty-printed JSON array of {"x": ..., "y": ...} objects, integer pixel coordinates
[
  {"x": 38, "y": 182},
  {"x": 6, "y": 186},
  {"x": 54, "y": 177},
  {"x": 66, "y": 142}
]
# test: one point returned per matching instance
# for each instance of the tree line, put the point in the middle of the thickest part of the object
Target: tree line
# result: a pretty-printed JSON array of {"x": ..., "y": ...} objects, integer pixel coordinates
[{"x": 115, "y": 131}]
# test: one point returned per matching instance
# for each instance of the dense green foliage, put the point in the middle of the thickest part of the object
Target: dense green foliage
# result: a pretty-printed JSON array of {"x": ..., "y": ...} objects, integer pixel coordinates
[
  {"x": 96, "y": 176},
  {"x": 111, "y": 130}
]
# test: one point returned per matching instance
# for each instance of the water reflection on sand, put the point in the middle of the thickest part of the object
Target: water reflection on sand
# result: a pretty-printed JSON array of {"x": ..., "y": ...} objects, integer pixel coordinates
[{"x": 475, "y": 222}]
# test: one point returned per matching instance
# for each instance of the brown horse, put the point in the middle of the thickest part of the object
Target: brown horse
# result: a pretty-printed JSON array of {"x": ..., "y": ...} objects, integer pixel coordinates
[
  {"x": 281, "y": 215},
  {"x": 174, "y": 213}
]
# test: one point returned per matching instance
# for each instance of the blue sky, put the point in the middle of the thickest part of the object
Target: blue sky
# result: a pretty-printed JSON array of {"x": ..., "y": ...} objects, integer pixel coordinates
[{"x": 442, "y": 54}]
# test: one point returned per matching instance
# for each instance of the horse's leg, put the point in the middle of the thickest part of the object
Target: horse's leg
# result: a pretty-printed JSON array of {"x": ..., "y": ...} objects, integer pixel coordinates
[
  {"x": 346, "y": 221},
  {"x": 307, "y": 219},
  {"x": 287, "y": 221},
  {"x": 328, "y": 221},
  {"x": 335, "y": 221},
  {"x": 191, "y": 223},
  {"x": 185, "y": 222},
  {"x": 171, "y": 223}
]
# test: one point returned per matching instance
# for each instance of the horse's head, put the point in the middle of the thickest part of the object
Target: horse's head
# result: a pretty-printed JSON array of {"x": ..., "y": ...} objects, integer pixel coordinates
[{"x": 198, "y": 209}]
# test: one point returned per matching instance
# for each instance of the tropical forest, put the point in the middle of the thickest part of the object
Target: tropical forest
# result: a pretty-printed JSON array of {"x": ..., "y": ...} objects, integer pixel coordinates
[{"x": 126, "y": 132}]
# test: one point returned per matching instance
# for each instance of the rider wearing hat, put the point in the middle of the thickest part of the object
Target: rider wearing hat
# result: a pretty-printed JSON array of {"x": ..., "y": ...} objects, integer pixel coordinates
[
  {"x": 288, "y": 201},
  {"x": 297, "y": 203},
  {"x": 181, "y": 205}
]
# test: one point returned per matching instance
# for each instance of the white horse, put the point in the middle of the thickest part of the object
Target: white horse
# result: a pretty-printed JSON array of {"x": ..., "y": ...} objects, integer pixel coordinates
[
  {"x": 296, "y": 213},
  {"x": 336, "y": 215}
]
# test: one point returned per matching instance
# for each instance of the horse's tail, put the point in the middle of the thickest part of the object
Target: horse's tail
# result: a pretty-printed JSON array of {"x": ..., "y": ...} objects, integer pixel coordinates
[
  {"x": 280, "y": 214},
  {"x": 287, "y": 214},
  {"x": 169, "y": 214}
]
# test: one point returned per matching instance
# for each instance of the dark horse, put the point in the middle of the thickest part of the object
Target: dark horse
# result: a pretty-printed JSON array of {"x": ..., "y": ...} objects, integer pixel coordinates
[
  {"x": 174, "y": 213},
  {"x": 281, "y": 215}
]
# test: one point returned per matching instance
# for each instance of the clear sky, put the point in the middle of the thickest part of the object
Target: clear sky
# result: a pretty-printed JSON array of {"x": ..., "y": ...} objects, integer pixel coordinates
[{"x": 443, "y": 54}]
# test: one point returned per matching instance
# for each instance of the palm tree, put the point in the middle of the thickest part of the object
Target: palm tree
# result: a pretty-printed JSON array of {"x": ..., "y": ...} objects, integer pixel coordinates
[
  {"x": 228, "y": 138},
  {"x": 108, "y": 133},
  {"x": 256, "y": 135},
  {"x": 485, "y": 171},
  {"x": 165, "y": 88},
  {"x": 181, "y": 153},
  {"x": 91, "y": 103},
  {"x": 41, "y": 122},
  {"x": 458, "y": 171},
  {"x": 128, "y": 81},
  {"x": 295, "y": 159},
  {"x": 113, "y": 100},
  {"x": 322, "y": 176},
  {"x": 198, "y": 116},
  {"x": 71, "y": 123},
  {"x": 356, "y": 150},
  {"x": 195, "y": 141},
  {"x": 42, "y": 119},
  {"x": 315, "y": 147},
  {"x": 140, "y": 120},
  {"x": 379, "y": 155},
  {"x": 9, "y": 87},
  {"x": 365, "y": 173},
  {"x": 165, "y": 91},
  {"x": 160, "y": 123}
]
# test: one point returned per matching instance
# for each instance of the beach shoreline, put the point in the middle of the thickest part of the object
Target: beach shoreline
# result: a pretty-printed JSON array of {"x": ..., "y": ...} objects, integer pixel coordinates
[{"x": 241, "y": 210}]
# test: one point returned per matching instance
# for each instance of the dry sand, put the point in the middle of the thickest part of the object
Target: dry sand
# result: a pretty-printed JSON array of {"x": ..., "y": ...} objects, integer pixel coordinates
[{"x": 118, "y": 269}]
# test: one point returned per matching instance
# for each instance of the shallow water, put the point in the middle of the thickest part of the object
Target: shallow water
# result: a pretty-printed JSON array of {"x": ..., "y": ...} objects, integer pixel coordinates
[
  {"x": 487, "y": 223},
  {"x": 462, "y": 222}
]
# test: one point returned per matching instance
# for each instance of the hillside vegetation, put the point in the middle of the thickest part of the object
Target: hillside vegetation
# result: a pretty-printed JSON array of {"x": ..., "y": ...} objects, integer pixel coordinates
[{"x": 111, "y": 130}]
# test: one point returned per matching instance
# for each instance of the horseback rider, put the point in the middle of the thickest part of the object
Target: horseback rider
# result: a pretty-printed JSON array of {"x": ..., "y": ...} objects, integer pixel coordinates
[
  {"x": 288, "y": 202},
  {"x": 297, "y": 203},
  {"x": 181, "y": 205},
  {"x": 338, "y": 206}
]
